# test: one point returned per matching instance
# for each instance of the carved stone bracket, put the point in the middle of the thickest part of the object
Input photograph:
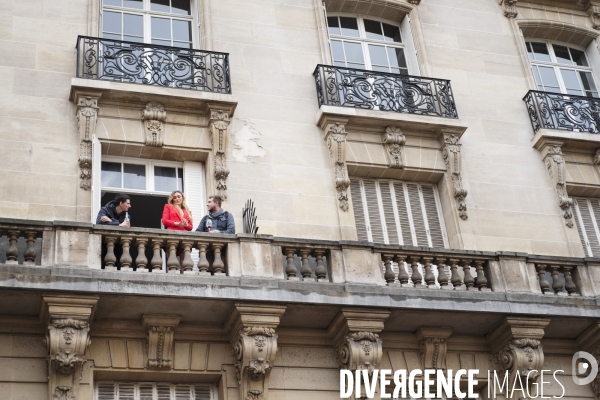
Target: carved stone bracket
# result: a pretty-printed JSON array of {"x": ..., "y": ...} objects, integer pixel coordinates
[
  {"x": 355, "y": 336},
  {"x": 593, "y": 11},
  {"x": 516, "y": 345},
  {"x": 87, "y": 115},
  {"x": 67, "y": 339},
  {"x": 415, "y": 2},
  {"x": 596, "y": 158},
  {"x": 510, "y": 8},
  {"x": 219, "y": 123},
  {"x": 433, "y": 347},
  {"x": 394, "y": 140},
  {"x": 555, "y": 165},
  {"x": 154, "y": 117},
  {"x": 254, "y": 343},
  {"x": 159, "y": 343},
  {"x": 452, "y": 156},
  {"x": 335, "y": 135}
]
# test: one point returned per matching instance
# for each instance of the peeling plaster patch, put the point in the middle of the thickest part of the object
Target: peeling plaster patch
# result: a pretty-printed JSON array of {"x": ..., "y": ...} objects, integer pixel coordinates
[{"x": 245, "y": 143}]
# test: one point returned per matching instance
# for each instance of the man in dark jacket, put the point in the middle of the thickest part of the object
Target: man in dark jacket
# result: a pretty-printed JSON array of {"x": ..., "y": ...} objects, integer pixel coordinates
[
  {"x": 115, "y": 212},
  {"x": 217, "y": 220}
]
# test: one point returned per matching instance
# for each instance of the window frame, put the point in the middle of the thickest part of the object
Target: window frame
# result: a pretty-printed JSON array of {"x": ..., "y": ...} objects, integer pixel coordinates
[
  {"x": 147, "y": 15},
  {"x": 364, "y": 41},
  {"x": 212, "y": 387},
  {"x": 556, "y": 66},
  {"x": 149, "y": 165}
]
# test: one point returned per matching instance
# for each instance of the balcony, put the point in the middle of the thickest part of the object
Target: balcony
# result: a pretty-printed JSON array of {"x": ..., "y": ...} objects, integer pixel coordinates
[{"x": 149, "y": 64}]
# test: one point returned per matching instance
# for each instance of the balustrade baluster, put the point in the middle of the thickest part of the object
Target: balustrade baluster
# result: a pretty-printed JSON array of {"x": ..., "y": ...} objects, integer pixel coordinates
[
  {"x": 481, "y": 281},
  {"x": 305, "y": 271},
  {"x": 455, "y": 278},
  {"x": 557, "y": 285},
  {"x": 110, "y": 259},
  {"x": 429, "y": 276},
  {"x": 141, "y": 261},
  {"x": 442, "y": 276},
  {"x": 218, "y": 264},
  {"x": 202, "y": 261},
  {"x": 291, "y": 271},
  {"x": 172, "y": 262},
  {"x": 126, "y": 256},
  {"x": 544, "y": 284},
  {"x": 320, "y": 271},
  {"x": 156, "y": 262},
  {"x": 468, "y": 278},
  {"x": 389, "y": 275},
  {"x": 402, "y": 274},
  {"x": 12, "y": 253},
  {"x": 187, "y": 263},
  {"x": 570, "y": 286},
  {"x": 30, "y": 253},
  {"x": 416, "y": 275}
]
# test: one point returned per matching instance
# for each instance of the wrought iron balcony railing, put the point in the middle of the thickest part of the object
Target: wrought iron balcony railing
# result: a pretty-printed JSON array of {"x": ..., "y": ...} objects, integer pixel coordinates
[
  {"x": 149, "y": 64},
  {"x": 373, "y": 90},
  {"x": 563, "y": 111}
]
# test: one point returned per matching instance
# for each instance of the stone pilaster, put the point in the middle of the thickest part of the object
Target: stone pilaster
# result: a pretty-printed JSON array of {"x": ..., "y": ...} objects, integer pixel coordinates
[
  {"x": 154, "y": 117},
  {"x": 335, "y": 136},
  {"x": 433, "y": 347},
  {"x": 555, "y": 165},
  {"x": 516, "y": 346},
  {"x": 67, "y": 339},
  {"x": 160, "y": 329},
  {"x": 355, "y": 336},
  {"x": 87, "y": 116},
  {"x": 393, "y": 139},
  {"x": 219, "y": 131},
  {"x": 253, "y": 339},
  {"x": 510, "y": 8},
  {"x": 452, "y": 156}
]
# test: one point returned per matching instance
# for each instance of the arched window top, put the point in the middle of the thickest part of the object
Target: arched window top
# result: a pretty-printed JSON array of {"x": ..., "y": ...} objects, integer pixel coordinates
[{"x": 561, "y": 68}]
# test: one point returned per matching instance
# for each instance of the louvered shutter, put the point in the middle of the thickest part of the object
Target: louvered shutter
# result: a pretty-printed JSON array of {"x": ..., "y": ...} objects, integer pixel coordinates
[
  {"x": 582, "y": 235},
  {"x": 372, "y": 203},
  {"x": 202, "y": 392},
  {"x": 163, "y": 391},
  {"x": 433, "y": 218},
  {"x": 388, "y": 212},
  {"x": 416, "y": 212},
  {"x": 146, "y": 391},
  {"x": 106, "y": 391},
  {"x": 195, "y": 196},
  {"x": 403, "y": 214},
  {"x": 183, "y": 392},
  {"x": 359, "y": 213},
  {"x": 126, "y": 391},
  {"x": 409, "y": 46},
  {"x": 588, "y": 229},
  {"x": 96, "y": 176},
  {"x": 330, "y": 61}
]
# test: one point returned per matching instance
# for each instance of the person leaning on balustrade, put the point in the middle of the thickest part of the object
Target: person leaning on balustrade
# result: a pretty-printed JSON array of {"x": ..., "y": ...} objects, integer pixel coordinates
[
  {"x": 217, "y": 220},
  {"x": 116, "y": 212},
  {"x": 177, "y": 216}
]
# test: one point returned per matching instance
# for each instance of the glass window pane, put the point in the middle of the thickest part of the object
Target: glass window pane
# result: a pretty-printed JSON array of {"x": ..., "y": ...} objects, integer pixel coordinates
[
  {"x": 562, "y": 55},
  {"x": 380, "y": 68},
  {"x": 182, "y": 30},
  {"x": 548, "y": 76},
  {"x": 391, "y": 33},
  {"x": 180, "y": 7},
  {"x": 579, "y": 57},
  {"x": 111, "y": 22},
  {"x": 529, "y": 51},
  {"x": 111, "y": 174},
  {"x": 112, "y": 36},
  {"x": 112, "y": 3},
  {"x": 378, "y": 55},
  {"x": 133, "y": 24},
  {"x": 588, "y": 82},
  {"x": 337, "y": 50},
  {"x": 354, "y": 52},
  {"x": 134, "y": 176},
  {"x": 161, "y": 28},
  {"x": 334, "y": 25},
  {"x": 182, "y": 45},
  {"x": 356, "y": 65},
  {"x": 396, "y": 57},
  {"x": 570, "y": 79},
  {"x": 540, "y": 51},
  {"x": 137, "y": 39},
  {"x": 162, "y": 42},
  {"x": 339, "y": 63},
  {"x": 165, "y": 179},
  {"x": 349, "y": 26},
  {"x": 160, "y": 5},
  {"x": 139, "y": 4},
  {"x": 180, "y": 179},
  {"x": 538, "y": 80},
  {"x": 373, "y": 29}
]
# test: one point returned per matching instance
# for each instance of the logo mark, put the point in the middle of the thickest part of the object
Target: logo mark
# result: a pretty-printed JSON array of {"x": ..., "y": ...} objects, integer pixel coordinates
[{"x": 580, "y": 367}]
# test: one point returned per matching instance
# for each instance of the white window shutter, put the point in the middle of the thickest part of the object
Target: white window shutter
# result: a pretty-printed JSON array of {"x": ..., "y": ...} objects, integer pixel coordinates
[
  {"x": 202, "y": 392},
  {"x": 358, "y": 208},
  {"x": 96, "y": 177},
  {"x": 436, "y": 233},
  {"x": 327, "y": 33},
  {"x": 409, "y": 47},
  {"x": 183, "y": 392},
  {"x": 146, "y": 391},
  {"x": 372, "y": 203},
  {"x": 163, "y": 391},
  {"x": 417, "y": 214},
  {"x": 106, "y": 391},
  {"x": 126, "y": 391},
  {"x": 586, "y": 227},
  {"x": 403, "y": 215},
  {"x": 388, "y": 212},
  {"x": 194, "y": 188}
]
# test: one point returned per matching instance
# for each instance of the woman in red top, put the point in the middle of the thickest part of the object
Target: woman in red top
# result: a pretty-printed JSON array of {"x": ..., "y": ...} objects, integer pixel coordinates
[{"x": 176, "y": 215}]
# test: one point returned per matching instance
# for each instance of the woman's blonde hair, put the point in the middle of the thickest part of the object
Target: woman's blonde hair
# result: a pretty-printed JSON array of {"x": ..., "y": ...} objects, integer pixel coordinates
[{"x": 184, "y": 205}]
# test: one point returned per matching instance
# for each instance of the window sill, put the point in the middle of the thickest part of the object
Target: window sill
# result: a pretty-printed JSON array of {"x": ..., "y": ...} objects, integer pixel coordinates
[{"x": 568, "y": 139}]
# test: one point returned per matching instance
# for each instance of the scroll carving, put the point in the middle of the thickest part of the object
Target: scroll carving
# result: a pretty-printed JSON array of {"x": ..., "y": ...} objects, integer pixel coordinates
[
  {"x": 87, "y": 115},
  {"x": 160, "y": 340},
  {"x": 555, "y": 164},
  {"x": 63, "y": 393},
  {"x": 335, "y": 135},
  {"x": 451, "y": 152},
  {"x": 67, "y": 341},
  {"x": 510, "y": 8},
  {"x": 154, "y": 117},
  {"x": 415, "y": 2},
  {"x": 596, "y": 158},
  {"x": 360, "y": 350},
  {"x": 520, "y": 357},
  {"x": 394, "y": 140},
  {"x": 219, "y": 122},
  {"x": 593, "y": 12}
]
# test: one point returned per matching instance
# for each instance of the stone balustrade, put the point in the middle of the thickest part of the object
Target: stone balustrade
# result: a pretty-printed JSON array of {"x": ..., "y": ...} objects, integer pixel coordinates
[{"x": 118, "y": 250}]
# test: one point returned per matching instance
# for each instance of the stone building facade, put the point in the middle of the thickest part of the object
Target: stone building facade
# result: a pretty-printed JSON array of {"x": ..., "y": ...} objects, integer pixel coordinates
[{"x": 425, "y": 175}]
